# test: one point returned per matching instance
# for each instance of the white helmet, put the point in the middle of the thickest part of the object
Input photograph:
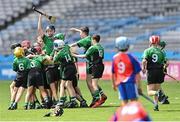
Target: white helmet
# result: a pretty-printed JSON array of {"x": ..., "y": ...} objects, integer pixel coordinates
[
  {"x": 58, "y": 44},
  {"x": 122, "y": 43}
]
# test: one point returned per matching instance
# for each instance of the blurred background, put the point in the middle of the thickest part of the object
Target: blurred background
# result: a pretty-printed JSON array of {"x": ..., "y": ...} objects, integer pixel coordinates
[{"x": 136, "y": 19}]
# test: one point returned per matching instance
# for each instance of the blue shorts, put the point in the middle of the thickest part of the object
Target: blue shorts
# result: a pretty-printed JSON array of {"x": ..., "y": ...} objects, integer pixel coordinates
[{"x": 128, "y": 91}]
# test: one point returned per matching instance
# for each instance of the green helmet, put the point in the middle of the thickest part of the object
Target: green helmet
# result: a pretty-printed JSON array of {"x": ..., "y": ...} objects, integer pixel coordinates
[
  {"x": 59, "y": 36},
  {"x": 162, "y": 44}
]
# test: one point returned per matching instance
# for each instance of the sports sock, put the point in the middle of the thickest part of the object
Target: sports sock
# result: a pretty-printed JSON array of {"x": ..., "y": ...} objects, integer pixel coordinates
[
  {"x": 46, "y": 99},
  {"x": 72, "y": 98},
  {"x": 82, "y": 98},
  {"x": 96, "y": 94},
  {"x": 100, "y": 90}
]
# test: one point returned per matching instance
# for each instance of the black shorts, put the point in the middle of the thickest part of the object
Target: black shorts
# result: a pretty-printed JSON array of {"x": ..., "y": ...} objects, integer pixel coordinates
[
  {"x": 165, "y": 70},
  {"x": 155, "y": 76},
  {"x": 68, "y": 72},
  {"x": 52, "y": 74},
  {"x": 97, "y": 70},
  {"x": 88, "y": 68},
  {"x": 35, "y": 77},
  {"x": 75, "y": 80},
  {"x": 46, "y": 85},
  {"x": 21, "y": 79}
]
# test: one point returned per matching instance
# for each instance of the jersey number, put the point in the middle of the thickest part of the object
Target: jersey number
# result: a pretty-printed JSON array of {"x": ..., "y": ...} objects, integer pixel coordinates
[
  {"x": 32, "y": 65},
  {"x": 21, "y": 67},
  {"x": 68, "y": 58},
  {"x": 121, "y": 67},
  {"x": 154, "y": 58},
  {"x": 100, "y": 53}
]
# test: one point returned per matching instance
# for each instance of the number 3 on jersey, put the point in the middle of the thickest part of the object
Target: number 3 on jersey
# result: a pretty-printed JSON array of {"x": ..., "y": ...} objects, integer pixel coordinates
[
  {"x": 121, "y": 67},
  {"x": 154, "y": 58}
]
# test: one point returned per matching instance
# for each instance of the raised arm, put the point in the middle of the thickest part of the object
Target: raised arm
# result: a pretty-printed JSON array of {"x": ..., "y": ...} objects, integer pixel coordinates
[
  {"x": 40, "y": 30},
  {"x": 75, "y": 30}
]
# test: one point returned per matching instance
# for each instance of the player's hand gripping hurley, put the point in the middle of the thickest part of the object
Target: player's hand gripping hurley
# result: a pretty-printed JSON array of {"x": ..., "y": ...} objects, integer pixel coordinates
[{"x": 52, "y": 19}]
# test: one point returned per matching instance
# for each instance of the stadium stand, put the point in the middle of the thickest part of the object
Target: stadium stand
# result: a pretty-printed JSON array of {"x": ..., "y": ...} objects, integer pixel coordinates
[{"x": 135, "y": 19}]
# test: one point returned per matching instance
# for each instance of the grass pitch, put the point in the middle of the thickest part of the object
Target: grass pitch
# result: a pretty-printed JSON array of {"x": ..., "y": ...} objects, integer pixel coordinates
[{"x": 169, "y": 112}]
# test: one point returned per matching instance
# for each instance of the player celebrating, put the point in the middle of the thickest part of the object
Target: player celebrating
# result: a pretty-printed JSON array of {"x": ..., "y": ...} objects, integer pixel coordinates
[
  {"x": 35, "y": 76},
  {"x": 51, "y": 70},
  {"x": 95, "y": 55},
  {"x": 125, "y": 72},
  {"x": 153, "y": 60},
  {"x": 68, "y": 72},
  {"x": 85, "y": 42},
  {"x": 21, "y": 66}
]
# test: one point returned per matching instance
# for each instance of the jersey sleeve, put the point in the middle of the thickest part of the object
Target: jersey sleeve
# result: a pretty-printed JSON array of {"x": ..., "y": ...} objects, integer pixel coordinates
[
  {"x": 85, "y": 42},
  {"x": 14, "y": 65},
  {"x": 145, "y": 54},
  {"x": 45, "y": 38},
  {"x": 82, "y": 42},
  {"x": 136, "y": 64},
  {"x": 56, "y": 58},
  {"x": 90, "y": 51},
  {"x": 52, "y": 53}
]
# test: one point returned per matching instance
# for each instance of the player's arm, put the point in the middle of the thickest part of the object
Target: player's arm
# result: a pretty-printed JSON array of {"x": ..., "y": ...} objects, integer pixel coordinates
[
  {"x": 79, "y": 56},
  {"x": 73, "y": 45},
  {"x": 40, "y": 30},
  {"x": 144, "y": 61},
  {"x": 75, "y": 30},
  {"x": 113, "y": 78},
  {"x": 30, "y": 56},
  {"x": 73, "y": 53},
  {"x": 47, "y": 60},
  {"x": 144, "y": 65},
  {"x": 113, "y": 82},
  {"x": 138, "y": 82}
]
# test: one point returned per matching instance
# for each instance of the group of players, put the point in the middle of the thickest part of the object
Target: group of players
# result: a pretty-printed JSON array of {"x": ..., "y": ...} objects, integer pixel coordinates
[{"x": 50, "y": 65}]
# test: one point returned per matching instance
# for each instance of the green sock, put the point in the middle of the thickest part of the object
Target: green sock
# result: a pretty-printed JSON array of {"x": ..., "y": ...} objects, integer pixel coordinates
[
  {"x": 37, "y": 101},
  {"x": 100, "y": 90},
  {"x": 96, "y": 94},
  {"x": 46, "y": 99},
  {"x": 26, "y": 104},
  {"x": 61, "y": 99},
  {"x": 72, "y": 98}
]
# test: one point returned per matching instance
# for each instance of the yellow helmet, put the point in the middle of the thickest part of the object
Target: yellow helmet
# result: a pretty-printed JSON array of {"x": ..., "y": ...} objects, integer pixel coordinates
[{"x": 19, "y": 52}]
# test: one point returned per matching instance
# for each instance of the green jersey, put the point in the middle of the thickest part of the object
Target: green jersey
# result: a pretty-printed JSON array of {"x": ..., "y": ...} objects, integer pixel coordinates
[
  {"x": 48, "y": 44},
  {"x": 37, "y": 62},
  {"x": 155, "y": 57},
  {"x": 85, "y": 43},
  {"x": 95, "y": 54},
  {"x": 64, "y": 56},
  {"x": 21, "y": 64}
]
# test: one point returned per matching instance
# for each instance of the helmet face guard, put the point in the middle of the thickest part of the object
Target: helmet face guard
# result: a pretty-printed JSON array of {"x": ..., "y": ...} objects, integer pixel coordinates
[{"x": 58, "y": 44}]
